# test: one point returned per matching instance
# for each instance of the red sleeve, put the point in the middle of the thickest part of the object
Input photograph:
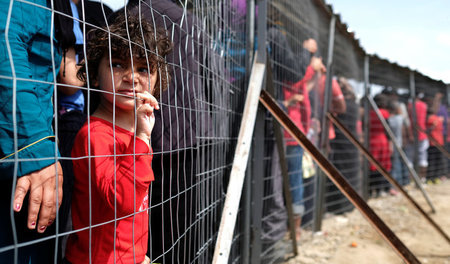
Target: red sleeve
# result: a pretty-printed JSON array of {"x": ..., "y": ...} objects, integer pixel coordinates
[
  {"x": 336, "y": 90},
  {"x": 117, "y": 180},
  {"x": 309, "y": 74}
]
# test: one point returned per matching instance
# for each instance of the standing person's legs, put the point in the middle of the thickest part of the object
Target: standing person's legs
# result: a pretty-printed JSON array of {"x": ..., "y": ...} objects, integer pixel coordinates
[
  {"x": 173, "y": 208},
  {"x": 69, "y": 124},
  {"x": 397, "y": 167},
  {"x": 432, "y": 163},
  {"x": 294, "y": 156},
  {"x": 423, "y": 158},
  {"x": 405, "y": 172},
  {"x": 447, "y": 160}
]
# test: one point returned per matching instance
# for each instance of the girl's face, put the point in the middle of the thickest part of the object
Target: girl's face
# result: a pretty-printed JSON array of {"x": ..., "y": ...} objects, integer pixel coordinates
[{"x": 128, "y": 81}]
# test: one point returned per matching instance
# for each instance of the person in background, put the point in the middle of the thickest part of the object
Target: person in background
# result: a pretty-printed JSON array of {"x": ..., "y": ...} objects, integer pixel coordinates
[
  {"x": 30, "y": 185},
  {"x": 423, "y": 143},
  {"x": 441, "y": 111},
  {"x": 406, "y": 132},
  {"x": 114, "y": 147},
  {"x": 436, "y": 164},
  {"x": 293, "y": 68},
  {"x": 396, "y": 122},
  {"x": 379, "y": 147},
  {"x": 345, "y": 155}
]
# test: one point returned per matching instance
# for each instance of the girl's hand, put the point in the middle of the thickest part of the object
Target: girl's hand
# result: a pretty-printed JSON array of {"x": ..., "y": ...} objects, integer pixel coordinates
[
  {"x": 145, "y": 106},
  {"x": 146, "y": 260}
]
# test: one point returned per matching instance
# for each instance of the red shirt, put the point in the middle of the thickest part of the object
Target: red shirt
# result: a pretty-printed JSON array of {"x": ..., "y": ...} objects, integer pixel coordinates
[
  {"x": 300, "y": 113},
  {"x": 436, "y": 126},
  {"x": 336, "y": 94},
  {"x": 117, "y": 190},
  {"x": 378, "y": 141},
  {"x": 421, "y": 114}
]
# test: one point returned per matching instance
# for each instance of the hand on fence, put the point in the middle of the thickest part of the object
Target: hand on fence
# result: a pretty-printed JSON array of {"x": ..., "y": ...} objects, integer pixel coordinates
[
  {"x": 146, "y": 260},
  {"x": 317, "y": 64},
  {"x": 42, "y": 199},
  {"x": 296, "y": 98},
  {"x": 145, "y": 117}
]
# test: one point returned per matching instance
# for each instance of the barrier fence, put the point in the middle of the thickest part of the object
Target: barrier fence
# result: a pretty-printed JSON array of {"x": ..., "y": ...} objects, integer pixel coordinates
[{"x": 311, "y": 64}]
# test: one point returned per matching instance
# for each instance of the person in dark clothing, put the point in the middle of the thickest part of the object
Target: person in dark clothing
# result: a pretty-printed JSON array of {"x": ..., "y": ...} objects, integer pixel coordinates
[
  {"x": 29, "y": 169},
  {"x": 173, "y": 196},
  {"x": 345, "y": 155}
]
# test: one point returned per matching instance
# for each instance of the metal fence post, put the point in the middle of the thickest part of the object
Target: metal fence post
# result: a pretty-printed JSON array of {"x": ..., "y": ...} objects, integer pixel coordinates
[
  {"x": 412, "y": 87},
  {"x": 258, "y": 148},
  {"x": 257, "y": 186},
  {"x": 262, "y": 30},
  {"x": 250, "y": 44},
  {"x": 324, "y": 142},
  {"x": 365, "y": 176},
  {"x": 246, "y": 203}
]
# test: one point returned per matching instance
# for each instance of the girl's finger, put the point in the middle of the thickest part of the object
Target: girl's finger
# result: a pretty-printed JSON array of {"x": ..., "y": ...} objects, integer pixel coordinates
[{"x": 148, "y": 99}]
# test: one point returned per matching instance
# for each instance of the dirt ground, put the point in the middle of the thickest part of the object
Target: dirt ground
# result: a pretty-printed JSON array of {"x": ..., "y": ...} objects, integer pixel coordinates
[{"x": 349, "y": 238}]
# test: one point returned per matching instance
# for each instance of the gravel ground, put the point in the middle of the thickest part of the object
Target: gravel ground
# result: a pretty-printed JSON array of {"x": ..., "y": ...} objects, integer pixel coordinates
[{"x": 349, "y": 238}]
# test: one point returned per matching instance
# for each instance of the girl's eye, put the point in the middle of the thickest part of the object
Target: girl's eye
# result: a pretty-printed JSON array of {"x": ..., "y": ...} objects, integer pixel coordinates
[
  {"x": 143, "y": 69},
  {"x": 116, "y": 65}
]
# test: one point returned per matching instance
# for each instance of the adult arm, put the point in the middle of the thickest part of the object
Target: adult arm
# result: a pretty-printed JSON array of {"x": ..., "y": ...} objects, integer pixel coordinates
[
  {"x": 68, "y": 74},
  {"x": 338, "y": 105},
  {"x": 28, "y": 43}
]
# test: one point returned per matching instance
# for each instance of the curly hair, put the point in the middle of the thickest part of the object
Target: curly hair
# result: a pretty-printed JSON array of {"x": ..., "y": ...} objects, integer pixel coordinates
[{"x": 146, "y": 42}]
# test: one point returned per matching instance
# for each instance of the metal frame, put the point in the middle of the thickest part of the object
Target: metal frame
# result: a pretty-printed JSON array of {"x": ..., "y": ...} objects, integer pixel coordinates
[{"x": 365, "y": 176}]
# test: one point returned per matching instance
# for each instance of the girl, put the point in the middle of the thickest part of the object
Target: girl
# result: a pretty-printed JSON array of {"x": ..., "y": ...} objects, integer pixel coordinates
[{"x": 112, "y": 151}]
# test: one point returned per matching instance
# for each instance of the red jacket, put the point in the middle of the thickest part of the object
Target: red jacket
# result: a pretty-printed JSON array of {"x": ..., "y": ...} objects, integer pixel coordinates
[
  {"x": 436, "y": 127},
  {"x": 118, "y": 185},
  {"x": 379, "y": 143},
  {"x": 421, "y": 115},
  {"x": 300, "y": 113}
]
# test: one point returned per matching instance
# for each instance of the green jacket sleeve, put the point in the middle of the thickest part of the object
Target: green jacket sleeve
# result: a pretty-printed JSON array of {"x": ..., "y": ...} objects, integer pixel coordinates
[{"x": 26, "y": 72}]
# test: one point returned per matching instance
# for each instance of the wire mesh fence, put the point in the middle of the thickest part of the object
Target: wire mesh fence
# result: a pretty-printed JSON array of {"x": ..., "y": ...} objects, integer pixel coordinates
[{"x": 136, "y": 192}]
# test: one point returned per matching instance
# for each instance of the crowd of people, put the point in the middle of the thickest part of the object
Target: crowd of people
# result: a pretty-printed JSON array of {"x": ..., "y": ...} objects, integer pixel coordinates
[
  {"x": 299, "y": 78},
  {"x": 119, "y": 133}
]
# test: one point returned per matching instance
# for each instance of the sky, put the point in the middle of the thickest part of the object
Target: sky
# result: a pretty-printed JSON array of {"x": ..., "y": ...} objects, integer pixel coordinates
[{"x": 412, "y": 33}]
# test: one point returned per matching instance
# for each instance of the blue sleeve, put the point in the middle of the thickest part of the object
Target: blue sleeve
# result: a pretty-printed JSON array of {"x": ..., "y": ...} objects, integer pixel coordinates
[{"x": 30, "y": 76}]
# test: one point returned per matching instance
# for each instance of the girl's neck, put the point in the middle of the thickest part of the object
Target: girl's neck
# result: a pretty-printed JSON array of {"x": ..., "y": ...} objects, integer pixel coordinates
[{"x": 123, "y": 119}]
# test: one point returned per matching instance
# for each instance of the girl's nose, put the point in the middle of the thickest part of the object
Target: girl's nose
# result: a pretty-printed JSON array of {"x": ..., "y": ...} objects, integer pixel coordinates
[{"x": 130, "y": 76}]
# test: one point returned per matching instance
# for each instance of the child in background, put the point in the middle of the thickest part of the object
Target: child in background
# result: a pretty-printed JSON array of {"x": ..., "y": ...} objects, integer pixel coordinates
[{"x": 113, "y": 166}]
